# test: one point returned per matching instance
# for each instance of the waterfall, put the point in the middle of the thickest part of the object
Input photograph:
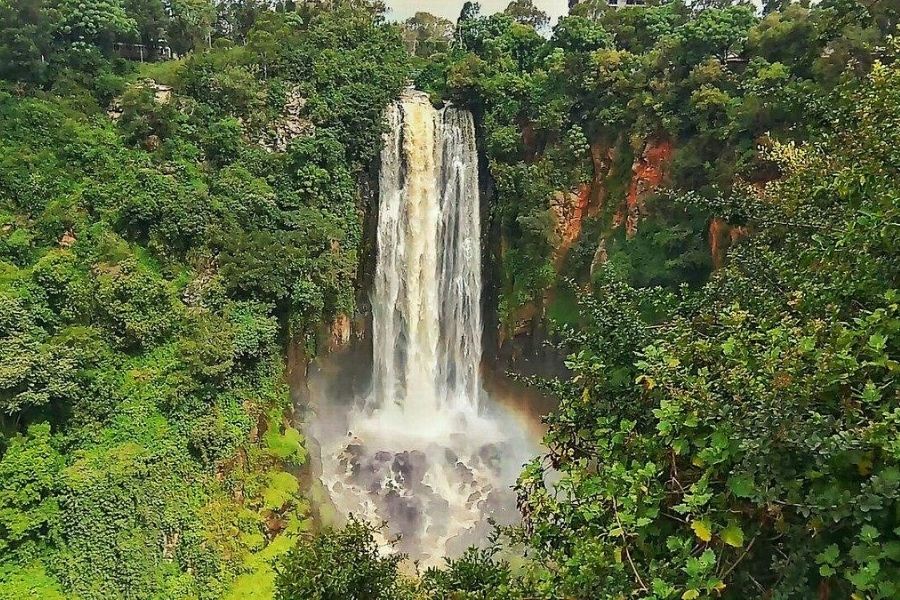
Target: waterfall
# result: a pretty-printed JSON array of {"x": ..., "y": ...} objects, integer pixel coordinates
[
  {"x": 425, "y": 452},
  {"x": 426, "y": 303}
]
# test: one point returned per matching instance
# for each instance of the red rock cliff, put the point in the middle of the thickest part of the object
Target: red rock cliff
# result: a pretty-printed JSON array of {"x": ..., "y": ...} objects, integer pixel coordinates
[
  {"x": 569, "y": 211},
  {"x": 647, "y": 173}
]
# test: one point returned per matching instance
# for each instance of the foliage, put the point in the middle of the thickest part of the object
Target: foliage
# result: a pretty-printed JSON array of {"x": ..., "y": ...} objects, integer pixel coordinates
[
  {"x": 144, "y": 115},
  {"x": 525, "y": 12},
  {"x": 475, "y": 575},
  {"x": 25, "y": 35},
  {"x": 30, "y": 468},
  {"x": 339, "y": 564},
  {"x": 426, "y": 34},
  {"x": 715, "y": 83},
  {"x": 154, "y": 263},
  {"x": 95, "y": 21},
  {"x": 741, "y": 441}
]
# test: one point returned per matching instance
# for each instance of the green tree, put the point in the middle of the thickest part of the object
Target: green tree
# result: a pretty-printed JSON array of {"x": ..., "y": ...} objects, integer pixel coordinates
[
  {"x": 97, "y": 22},
  {"x": 701, "y": 438},
  {"x": 144, "y": 115},
  {"x": 591, "y": 9},
  {"x": 190, "y": 24},
  {"x": 577, "y": 34},
  {"x": 30, "y": 470},
  {"x": 715, "y": 32},
  {"x": 476, "y": 575},
  {"x": 525, "y": 12},
  {"x": 426, "y": 34},
  {"x": 151, "y": 22},
  {"x": 26, "y": 29},
  {"x": 134, "y": 305}
]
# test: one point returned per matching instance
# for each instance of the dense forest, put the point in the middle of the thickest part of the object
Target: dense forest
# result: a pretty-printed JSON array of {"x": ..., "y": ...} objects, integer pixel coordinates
[{"x": 696, "y": 204}]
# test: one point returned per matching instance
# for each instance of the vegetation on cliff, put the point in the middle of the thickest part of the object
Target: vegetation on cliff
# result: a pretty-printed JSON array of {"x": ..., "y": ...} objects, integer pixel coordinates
[
  {"x": 627, "y": 101},
  {"x": 153, "y": 268},
  {"x": 699, "y": 205}
]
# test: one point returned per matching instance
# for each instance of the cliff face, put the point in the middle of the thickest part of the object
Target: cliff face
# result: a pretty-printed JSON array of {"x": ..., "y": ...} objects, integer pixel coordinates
[
  {"x": 576, "y": 213},
  {"x": 288, "y": 126},
  {"x": 647, "y": 174},
  {"x": 585, "y": 221},
  {"x": 569, "y": 211},
  {"x": 602, "y": 157},
  {"x": 570, "y": 208}
]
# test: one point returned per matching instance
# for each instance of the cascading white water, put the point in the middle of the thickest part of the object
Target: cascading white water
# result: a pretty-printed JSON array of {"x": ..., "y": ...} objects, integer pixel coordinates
[
  {"x": 426, "y": 304},
  {"x": 421, "y": 452}
]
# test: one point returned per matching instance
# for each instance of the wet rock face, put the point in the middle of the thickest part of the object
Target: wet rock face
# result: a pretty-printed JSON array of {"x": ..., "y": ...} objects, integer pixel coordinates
[
  {"x": 722, "y": 236},
  {"x": 339, "y": 333}
]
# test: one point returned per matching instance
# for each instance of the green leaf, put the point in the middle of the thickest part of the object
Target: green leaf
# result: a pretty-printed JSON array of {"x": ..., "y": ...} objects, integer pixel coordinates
[
  {"x": 690, "y": 595},
  {"x": 828, "y": 556},
  {"x": 288, "y": 445},
  {"x": 869, "y": 533},
  {"x": 282, "y": 489},
  {"x": 728, "y": 346},
  {"x": 877, "y": 342},
  {"x": 733, "y": 535},
  {"x": 703, "y": 529},
  {"x": 742, "y": 485},
  {"x": 870, "y": 393},
  {"x": 662, "y": 589}
]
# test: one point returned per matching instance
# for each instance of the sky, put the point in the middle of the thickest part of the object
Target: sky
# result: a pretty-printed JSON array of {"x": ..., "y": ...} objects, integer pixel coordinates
[{"x": 403, "y": 9}]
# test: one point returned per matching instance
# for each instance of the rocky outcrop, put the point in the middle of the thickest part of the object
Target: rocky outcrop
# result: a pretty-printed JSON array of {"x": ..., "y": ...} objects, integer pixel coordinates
[
  {"x": 525, "y": 332},
  {"x": 523, "y": 344},
  {"x": 522, "y": 322},
  {"x": 602, "y": 158},
  {"x": 600, "y": 257},
  {"x": 68, "y": 239},
  {"x": 529, "y": 141},
  {"x": 297, "y": 370},
  {"x": 290, "y": 125},
  {"x": 162, "y": 94},
  {"x": 339, "y": 333}
]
